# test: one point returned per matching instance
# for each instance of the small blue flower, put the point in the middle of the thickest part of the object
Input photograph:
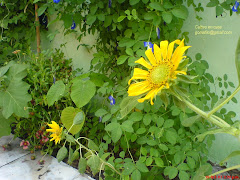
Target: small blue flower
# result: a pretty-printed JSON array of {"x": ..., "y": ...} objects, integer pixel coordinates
[
  {"x": 112, "y": 100},
  {"x": 158, "y": 32},
  {"x": 54, "y": 79},
  {"x": 56, "y": 1},
  {"x": 73, "y": 25},
  {"x": 148, "y": 45},
  {"x": 234, "y": 8},
  {"x": 100, "y": 119},
  {"x": 109, "y": 3}
]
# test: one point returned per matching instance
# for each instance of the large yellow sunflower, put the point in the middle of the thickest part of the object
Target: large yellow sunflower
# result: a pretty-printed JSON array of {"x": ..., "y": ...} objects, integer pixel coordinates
[
  {"x": 162, "y": 69},
  {"x": 56, "y": 132}
]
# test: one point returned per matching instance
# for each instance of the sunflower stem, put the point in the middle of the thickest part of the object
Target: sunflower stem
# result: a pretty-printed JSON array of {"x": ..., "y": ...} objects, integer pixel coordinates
[
  {"x": 205, "y": 115},
  {"x": 224, "y": 102}
]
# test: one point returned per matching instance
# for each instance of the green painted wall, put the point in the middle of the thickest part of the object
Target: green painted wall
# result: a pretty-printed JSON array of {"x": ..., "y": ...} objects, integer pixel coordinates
[{"x": 218, "y": 50}]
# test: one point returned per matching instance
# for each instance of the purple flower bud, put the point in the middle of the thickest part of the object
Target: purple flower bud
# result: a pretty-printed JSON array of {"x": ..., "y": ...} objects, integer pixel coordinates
[
  {"x": 149, "y": 45},
  {"x": 158, "y": 32},
  {"x": 100, "y": 119},
  {"x": 56, "y": 1},
  {"x": 235, "y": 6},
  {"x": 73, "y": 25},
  {"x": 54, "y": 79},
  {"x": 112, "y": 100},
  {"x": 109, "y": 3}
]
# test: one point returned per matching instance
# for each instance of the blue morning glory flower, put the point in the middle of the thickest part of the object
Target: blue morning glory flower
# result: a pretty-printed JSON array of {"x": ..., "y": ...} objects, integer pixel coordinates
[
  {"x": 158, "y": 32},
  {"x": 148, "y": 45},
  {"x": 109, "y": 3},
  {"x": 235, "y": 6},
  {"x": 73, "y": 25},
  {"x": 56, "y": 1},
  {"x": 112, "y": 100}
]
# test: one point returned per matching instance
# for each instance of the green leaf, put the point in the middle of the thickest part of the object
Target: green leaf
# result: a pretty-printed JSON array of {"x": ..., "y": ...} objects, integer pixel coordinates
[
  {"x": 233, "y": 154},
  {"x": 171, "y": 137},
  {"x": 213, "y": 3},
  {"x": 4, "y": 69},
  {"x": 181, "y": 12},
  {"x": 5, "y": 128},
  {"x": 108, "y": 21},
  {"x": 133, "y": 2},
  {"x": 159, "y": 162},
  {"x": 94, "y": 163},
  {"x": 149, "y": 15},
  {"x": 149, "y": 161},
  {"x": 157, "y": 6},
  {"x": 183, "y": 167},
  {"x": 191, "y": 162},
  {"x": 171, "y": 172},
  {"x": 200, "y": 173},
  {"x": 55, "y": 92},
  {"x": 15, "y": 98},
  {"x": 79, "y": 118},
  {"x": 121, "y": 18},
  {"x": 167, "y": 17},
  {"x": 82, "y": 92},
  {"x": 147, "y": 119},
  {"x": 82, "y": 165},
  {"x": 127, "y": 126},
  {"x": 92, "y": 145},
  {"x": 237, "y": 59},
  {"x": 129, "y": 167},
  {"x": 42, "y": 9},
  {"x": 115, "y": 129},
  {"x": 67, "y": 118},
  {"x": 67, "y": 19},
  {"x": 62, "y": 153},
  {"x": 183, "y": 175},
  {"x": 136, "y": 175},
  {"x": 128, "y": 104},
  {"x": 122, "y": 59},
  {"x": 100, "y": 112},
  {"x": 126, "y": 42},
  {"x": 106, "y": 118},
  {"x": 70, "y": 138},
  {"x": 141, "y": 166},
  {"x": 187, "y": 122},
  {"x": 219, "y": 10},
  {"x": 198, "y": 56},
  {"x": 91, "y": 19}
]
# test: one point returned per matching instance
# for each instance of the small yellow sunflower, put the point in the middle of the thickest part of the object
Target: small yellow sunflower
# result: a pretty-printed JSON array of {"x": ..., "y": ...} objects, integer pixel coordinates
[
  {"x": 162, "y": 69},
  {"x": 56, "y": 132}
]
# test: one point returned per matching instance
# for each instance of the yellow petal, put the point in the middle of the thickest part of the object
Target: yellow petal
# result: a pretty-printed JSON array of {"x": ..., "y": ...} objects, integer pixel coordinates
[
  {"x": 180, "y": 72},
  {"x": 143, "y": 63},
  {"x": 179, "y": 56},
  {"x": 139, "y": 74},
  {"x": 51, "y": 130},
  {"x": 138, "y": 88},
  {"x": 164, "y": 47},
  {"x": 151, "y": 95},
  {"x": 170, "y": 48},
  {"x": 157, "y": 53},
  {"x": 151, "y": 57}
]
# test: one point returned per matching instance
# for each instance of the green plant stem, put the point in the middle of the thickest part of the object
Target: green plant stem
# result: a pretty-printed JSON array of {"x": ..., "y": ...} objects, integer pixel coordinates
[
  {"x": 224, "y": 170},
  {"x": 221, "y": 120},
  {"x": 224, "y": 102},
  {"x": 204, "y": 114}
]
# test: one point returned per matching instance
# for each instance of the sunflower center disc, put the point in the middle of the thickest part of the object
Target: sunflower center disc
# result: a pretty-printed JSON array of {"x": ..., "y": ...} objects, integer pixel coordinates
[{"x": 159, "y": 74}]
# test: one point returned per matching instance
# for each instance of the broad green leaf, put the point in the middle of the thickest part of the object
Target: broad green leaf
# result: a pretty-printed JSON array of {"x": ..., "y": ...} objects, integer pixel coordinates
[
  {"x": 92, "y": 145},
  {"x": 55, "y": 92},
  {"x": 128, "y": 104},
  {"x": 181, "y": 12},
  {"x": 190, "y": 121},
  {"x": 70, "y": 138},
  {"x": 67, "y": 19},
  {"x": 149, "y": 161},
  {"x": 129, "y": 167},
  {"x": 147, "y": 119},
  {"x": 4, "y": 69},
  {"x": 141, "y": 166},
  {"x": 82, "y": 92},
  {"x": 159, "y": 162},
  {"x": 62, "y": 153},
  {"x": 116, "y": 134},
  {"x": 94, "y": 163},
  {"x": 42, "y": 9},
  {"x": 5, "y": 128},
  {"x": 15, "y": 98},
  {"x": 127, "y": 126},
  {"x": 233, "y": 154},
  {"x": 82, "y": 165},
  {"x": 112, "y": 126},
  {"x": 67, "y": 117},
  {"x": 79, "y": 118},
  {"x": 200, "y": 173},
  {"x": 100, "y": 112},
  {"x": 126, "y": 42},
  {"x": 191, "y": 162},
  {"x": 108, "y": 21},
  {"x": 149, "y": 15},
  {"x": 156, "y": 5},
  {"x": 213, "y": 3},
  {"x": 171, "y": 137},
  {"x": 219, "y": 10},
  {"x": 133, "y": 2},
  {"x": 121, "y": 18},
  {"x": 122, "y": 59},
  {"x": 183, "y": 175},
  {"x": 171, "y": 172},
  {"x": 136, "y": 175},
  {"x": 91, "y": 19},
  {"x": 167, "y": 17},
  {"x": 237, "y": 59}
]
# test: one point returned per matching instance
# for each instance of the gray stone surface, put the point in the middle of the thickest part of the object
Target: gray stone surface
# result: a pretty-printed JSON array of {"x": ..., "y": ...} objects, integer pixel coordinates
[{"x": 16, "y": 164}]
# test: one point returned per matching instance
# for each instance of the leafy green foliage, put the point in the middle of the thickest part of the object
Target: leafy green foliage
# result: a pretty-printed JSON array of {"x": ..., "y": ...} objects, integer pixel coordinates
[
  {"x": 55, "y": 92},
  {"x": 5, "y": 128}
]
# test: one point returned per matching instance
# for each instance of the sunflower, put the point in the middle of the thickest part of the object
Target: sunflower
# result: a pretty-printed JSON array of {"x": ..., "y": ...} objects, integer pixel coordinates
[
  {"x": 56, "y": 132},
  {"x": 162, "y": 70}
]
